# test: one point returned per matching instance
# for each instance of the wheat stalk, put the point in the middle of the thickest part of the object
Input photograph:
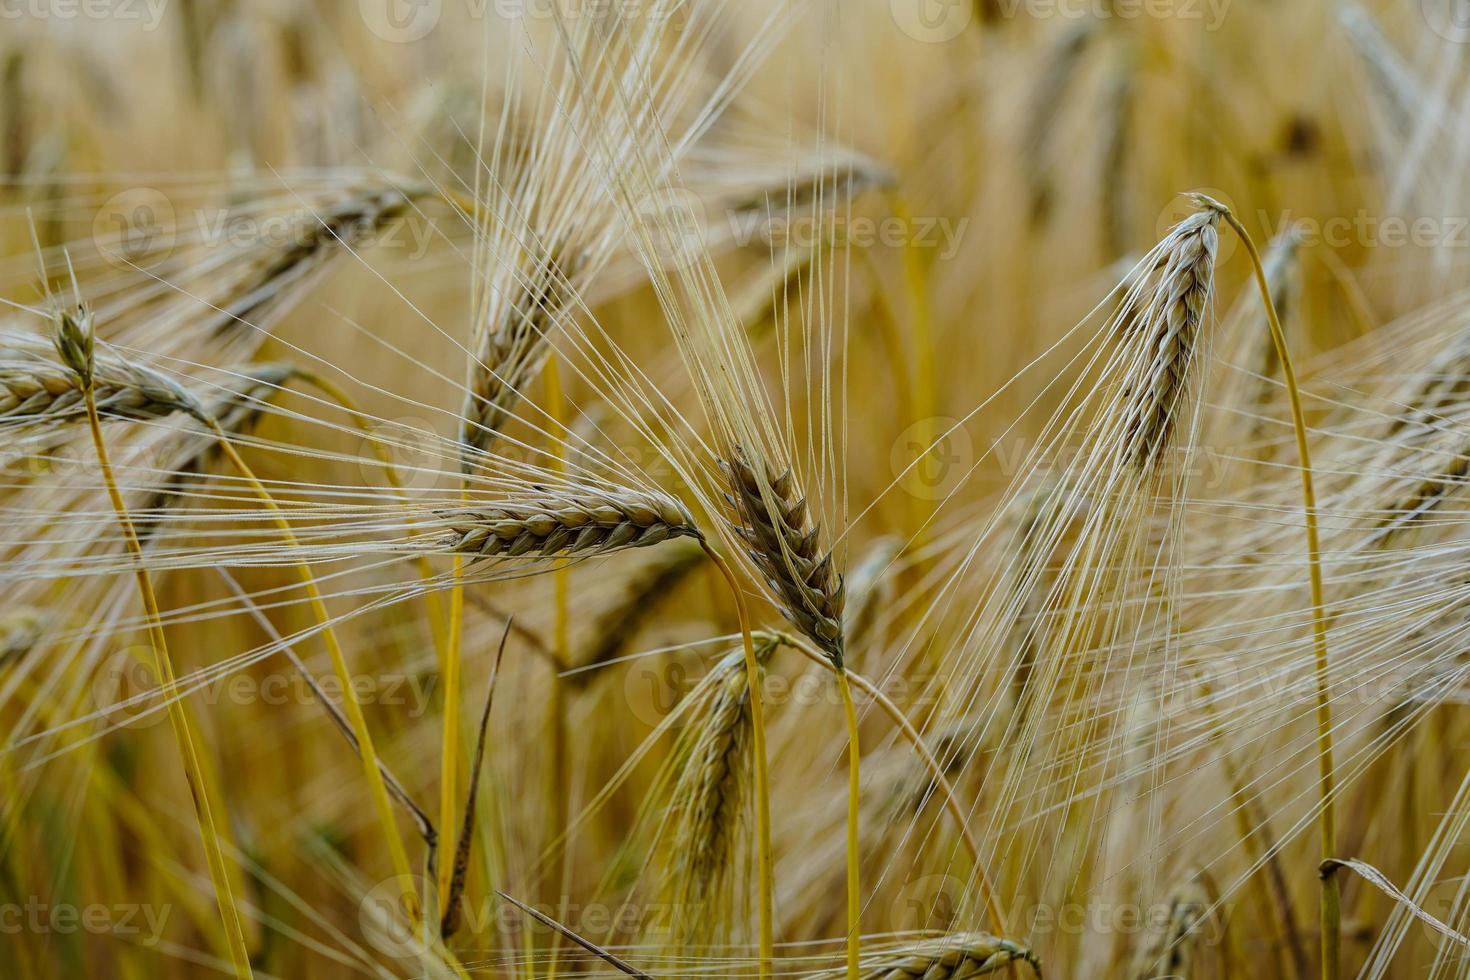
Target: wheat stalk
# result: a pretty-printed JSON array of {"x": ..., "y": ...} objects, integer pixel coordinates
[
  {"x": 75, "y": 342},
  {"x": 1331, "y": 904}
]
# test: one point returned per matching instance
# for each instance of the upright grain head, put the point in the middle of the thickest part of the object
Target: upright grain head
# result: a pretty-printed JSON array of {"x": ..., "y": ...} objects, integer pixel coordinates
[{"x": 75, "y": 340}]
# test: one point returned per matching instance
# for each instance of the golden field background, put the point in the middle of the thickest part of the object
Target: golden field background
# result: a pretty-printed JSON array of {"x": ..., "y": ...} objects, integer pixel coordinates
[{"x": 968, "y": 186}]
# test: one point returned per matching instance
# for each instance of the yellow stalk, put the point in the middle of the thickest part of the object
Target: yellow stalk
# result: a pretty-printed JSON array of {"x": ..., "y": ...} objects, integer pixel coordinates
[
  {"x": 1331, "y": 897},
  {"x": 923, "y": 407},
  {"x": 764, "y": 876},
  {"x": 350, "y": 704},
  {"x": 178, "y": 720},
  {"x": 854, "y": 788},
  {"x": 449, "y": 735},
  {"x": 561, "y": 639}
]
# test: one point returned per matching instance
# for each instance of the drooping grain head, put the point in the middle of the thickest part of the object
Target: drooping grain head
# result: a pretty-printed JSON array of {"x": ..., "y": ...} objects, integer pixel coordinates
[
  {"x": 580, "y": 523},
  {"x": 38, "y": 391},
  {"x": 953, "y": 957},
  {"x": 320, "y": 233},
  {"x": 1162, "y": 320},
  {"x": 773, "y": 521}
]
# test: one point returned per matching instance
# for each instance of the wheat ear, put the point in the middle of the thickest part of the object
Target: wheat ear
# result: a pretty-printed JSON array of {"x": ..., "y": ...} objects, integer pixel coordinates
[
  {"x": 513, "y": 347},
  {"x": 957, "y": 956},
  {"x": 1168, "y": 328},
  {"x": 75, "y": 342},
  {"x": 786, "y": 545},
  {"x": 568, "y": 523},
  {"x": 326, "y": 232},
  {"x": 710, "y": 800},
  {"x": 35, "y": 390}
]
